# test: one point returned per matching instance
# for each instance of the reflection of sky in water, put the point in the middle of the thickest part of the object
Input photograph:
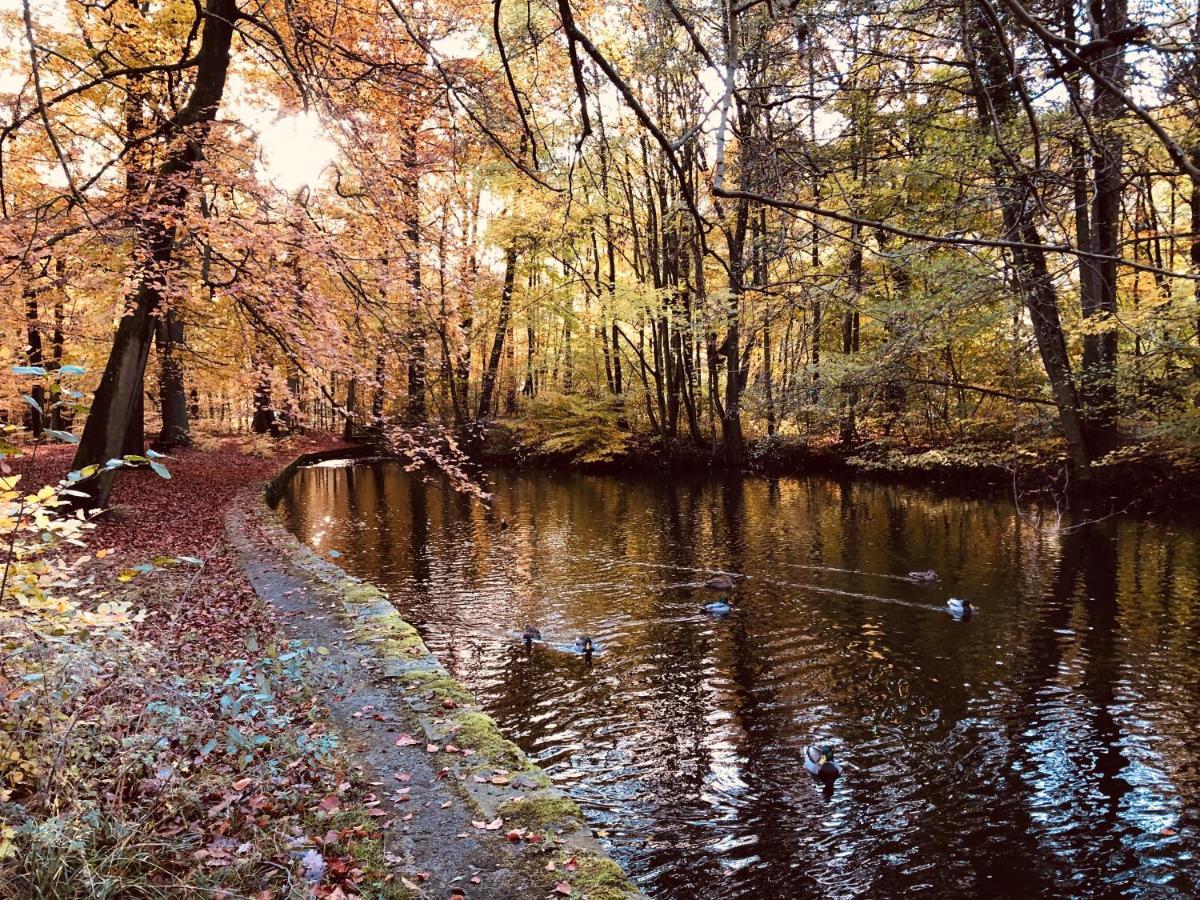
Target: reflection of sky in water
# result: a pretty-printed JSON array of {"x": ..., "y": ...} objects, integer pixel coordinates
[{"x": 1039, "y": 749}]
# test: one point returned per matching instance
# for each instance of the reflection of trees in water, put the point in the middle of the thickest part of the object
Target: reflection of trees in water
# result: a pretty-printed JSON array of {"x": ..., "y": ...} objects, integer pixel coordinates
[{"x": 972, "y": 790}]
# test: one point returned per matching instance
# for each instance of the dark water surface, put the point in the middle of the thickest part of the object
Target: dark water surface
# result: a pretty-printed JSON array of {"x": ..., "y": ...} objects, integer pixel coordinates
[{"x": 1048, "y": 747}]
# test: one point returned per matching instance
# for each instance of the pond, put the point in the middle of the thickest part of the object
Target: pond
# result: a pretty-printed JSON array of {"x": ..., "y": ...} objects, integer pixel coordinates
[{"x": 1047, "y": 746}]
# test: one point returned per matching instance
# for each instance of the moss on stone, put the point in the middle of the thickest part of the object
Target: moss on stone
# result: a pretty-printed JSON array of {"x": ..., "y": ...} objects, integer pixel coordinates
[
  {"x": 536, "y": 813},
  {"x": 478, "y": 731},
  {"x": 440, "y": 685},
  {"x": 359, "y": 592},
  {"x": 598, "y": 878},
  {"x": 392, "y": 637}
]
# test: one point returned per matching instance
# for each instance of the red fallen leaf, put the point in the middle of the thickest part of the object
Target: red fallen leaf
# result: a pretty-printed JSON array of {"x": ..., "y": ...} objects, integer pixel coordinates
[
  {"x": 534, "y": 838},
  {"x": 571, "y": 865},
  {"x": 563, "y": 888},
  {"x": 431, "y": 748},
  {"x": 442, "y": 773},
  {"x": 405, "y": 740},
  {"x": 241, "y": 784},
  {"x": 424, "y": 876},
  {"x": 331, "y": 837},
  {"x": 515, "y": 835},
  {"x": 475, "y": 879},
  {"x": 330, "y": 803},
  {"x": 1168, "y": 832},
  {"x": 449, "y": 703}
]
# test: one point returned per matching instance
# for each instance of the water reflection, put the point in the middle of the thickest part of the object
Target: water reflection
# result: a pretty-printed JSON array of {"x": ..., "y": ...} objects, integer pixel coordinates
[{"x": 1047, "y": 747}]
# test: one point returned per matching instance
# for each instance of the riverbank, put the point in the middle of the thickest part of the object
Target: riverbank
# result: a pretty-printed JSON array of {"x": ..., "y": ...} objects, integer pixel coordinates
[
  {"x": 1144, "y": 478},
  {"x": 217, "y": 734}
]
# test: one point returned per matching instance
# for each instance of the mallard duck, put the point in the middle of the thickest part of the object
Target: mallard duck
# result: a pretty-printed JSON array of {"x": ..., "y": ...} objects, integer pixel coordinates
[
  {"x": 960, "y": 609},
  {"x": 926, "y": 575},
  {"x": 584, "y": 645},
  {"x": 818, "y": 760},
  {"x": 720, "y": 583},
  {"x": 530, "y": 634},
  {"x": 722, "y": 607}
]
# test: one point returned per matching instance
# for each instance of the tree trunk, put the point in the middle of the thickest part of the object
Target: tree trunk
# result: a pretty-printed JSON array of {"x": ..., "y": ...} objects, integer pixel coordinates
[
  {"x": 176, "y": 428},
  {"x": 119, "y": 394},
  {"x": 488, "y": 385}
]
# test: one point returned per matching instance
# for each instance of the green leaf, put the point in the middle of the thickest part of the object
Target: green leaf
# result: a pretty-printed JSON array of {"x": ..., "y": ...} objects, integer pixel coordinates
[
  {"x": 160, "y": 470},
  {"x": 31, "y": 402}
]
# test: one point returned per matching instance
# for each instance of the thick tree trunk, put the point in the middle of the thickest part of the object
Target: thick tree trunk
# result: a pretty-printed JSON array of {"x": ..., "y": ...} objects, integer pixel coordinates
[
  {"x": 119, "y": 394},
  {"x": 1098, "y": 377}
]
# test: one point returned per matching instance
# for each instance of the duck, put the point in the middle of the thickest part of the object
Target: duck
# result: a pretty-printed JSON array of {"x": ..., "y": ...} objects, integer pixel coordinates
[
  {"x": 722, "y": 607},
  {"x": 925, "y": 575},
  {"x": 529, "y": 635},
  {"x": 818, "y": 760},
  {"x": 960, "y": 609},
  {"x": 584, "y": 645},
  {"x": 504, "y": 524},
  {"x": 720, "y": 583}
]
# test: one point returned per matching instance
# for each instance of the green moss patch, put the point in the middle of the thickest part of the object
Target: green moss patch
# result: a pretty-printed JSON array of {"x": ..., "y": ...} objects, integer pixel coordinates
[
  {"x": 438, "y": 685},
  {"x": 598, "y": 878},
  {"x": 538, "y": 813}
]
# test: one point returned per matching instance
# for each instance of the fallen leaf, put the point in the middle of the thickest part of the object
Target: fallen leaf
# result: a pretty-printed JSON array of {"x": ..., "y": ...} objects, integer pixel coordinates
[
  {"x": 405, "y": 740},
  {"x": 495, "y": 824},
  {"x": 563, "y": 888},
  {"x": 431, "y": 748},
  {"x": 447, "y": 804},
  {"x": 499, "y": 779},
  {"x": 241, "y": 784},
  {"x": 330, "y": 803},
  {"x": 475, "y": 879},
  {"x": 1168, "y": 832}
]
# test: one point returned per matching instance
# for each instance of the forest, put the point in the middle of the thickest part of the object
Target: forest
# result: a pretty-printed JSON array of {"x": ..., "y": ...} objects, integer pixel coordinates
[
  {"x": 710, "y": 225},
  {"x": 957, "y": 241}
]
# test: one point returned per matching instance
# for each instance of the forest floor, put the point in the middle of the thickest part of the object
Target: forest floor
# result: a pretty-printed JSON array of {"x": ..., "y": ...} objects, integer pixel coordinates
[{"x": 215, "y": 751}]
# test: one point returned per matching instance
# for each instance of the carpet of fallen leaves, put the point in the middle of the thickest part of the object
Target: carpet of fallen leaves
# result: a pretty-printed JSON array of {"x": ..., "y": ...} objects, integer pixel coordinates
[{"x": 209, "y": 788}]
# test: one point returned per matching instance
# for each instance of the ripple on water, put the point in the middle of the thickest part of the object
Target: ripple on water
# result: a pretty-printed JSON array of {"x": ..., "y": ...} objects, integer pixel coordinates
[{"x": 1048, "y": 747}]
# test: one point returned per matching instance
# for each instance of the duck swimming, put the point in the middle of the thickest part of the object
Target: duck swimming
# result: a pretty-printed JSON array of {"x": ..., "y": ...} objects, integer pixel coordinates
[
  {"x": 960, "y": 609},
  {"x": 584, "y": 645},
  {"x": 722, "y": 607},
  {"x": 529, "y": 635},
  {"x": 925, "y": 575},
  {"x": 720, "y": 583},
  {"x": 818, "y": 760}
]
